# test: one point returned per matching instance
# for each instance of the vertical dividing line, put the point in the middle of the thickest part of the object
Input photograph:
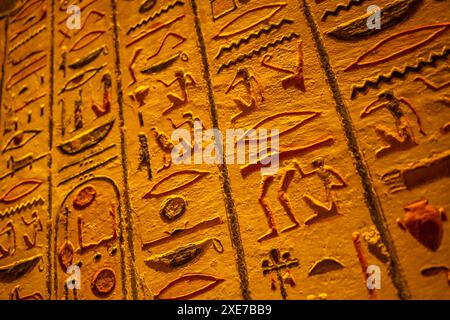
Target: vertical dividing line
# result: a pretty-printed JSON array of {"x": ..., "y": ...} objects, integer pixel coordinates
[
  {"x": 233, "y": 222},
  {"x": 372, "y": 201},
  {"x": 50, "y": 147},
  {"x": 55, "y": 262},
  {"x": 128, "y": 220},
  {"x": 5, "y": 53}
]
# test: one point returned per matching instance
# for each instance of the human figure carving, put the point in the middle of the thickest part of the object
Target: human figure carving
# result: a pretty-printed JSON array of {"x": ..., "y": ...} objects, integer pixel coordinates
[
  {"x": 191, "y": 120},
  {"x": 37, "y": 227},
  {"x": 247, "y": 104},
  {"x": 144, "y": 155},
  {"x": 283, "y": 197},
  {"x": 268, "y": 211},
  {"x": 106, "y": 107},
  {"x": 10, "y": 232},
  {"x": 331, "y": 180},
  {"x": 166, "y": 145},
  {"x": 328, "y": 175},
  {"x": 184, "y": 80},
  {"x": 404, "y": 138}
]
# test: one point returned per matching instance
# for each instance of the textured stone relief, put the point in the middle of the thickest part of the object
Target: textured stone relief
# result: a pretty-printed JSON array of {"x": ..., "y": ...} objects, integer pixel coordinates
[
  {"x": 402, "y": 68},
  {"x": 88, "y": 180}
]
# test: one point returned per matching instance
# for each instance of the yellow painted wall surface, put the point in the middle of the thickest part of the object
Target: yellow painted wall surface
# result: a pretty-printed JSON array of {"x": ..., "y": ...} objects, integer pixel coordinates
[{"x": 87, "y": 183}]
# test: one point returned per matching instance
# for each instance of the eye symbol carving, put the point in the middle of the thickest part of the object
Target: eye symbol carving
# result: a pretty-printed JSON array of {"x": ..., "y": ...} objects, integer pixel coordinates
[
  {"x": 190, "y": 176},
  {"x": 20, "y": 139},
  {"x": 20, "y": 190}
]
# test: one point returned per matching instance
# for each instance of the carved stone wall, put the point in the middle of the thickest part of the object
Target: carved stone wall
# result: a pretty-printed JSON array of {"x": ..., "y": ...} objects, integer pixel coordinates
[{"x": 87, "y": 183}]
